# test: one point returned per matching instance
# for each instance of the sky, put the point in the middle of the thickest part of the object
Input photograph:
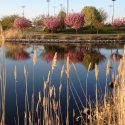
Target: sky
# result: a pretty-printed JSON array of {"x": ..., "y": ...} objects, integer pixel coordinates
[{"x": 35, "y": 8}]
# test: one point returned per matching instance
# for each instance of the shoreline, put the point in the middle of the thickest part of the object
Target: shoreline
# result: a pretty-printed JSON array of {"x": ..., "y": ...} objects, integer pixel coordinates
[{"x": 57, "y": 41}]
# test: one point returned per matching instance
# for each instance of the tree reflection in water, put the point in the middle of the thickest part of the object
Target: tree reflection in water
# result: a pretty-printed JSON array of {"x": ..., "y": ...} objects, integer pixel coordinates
[
  {"x": 17, "y": 54},
  {"x": 77, "y": 54},
  {"x": 116, "y": 56},
  {"x": 94, "y": 57}
]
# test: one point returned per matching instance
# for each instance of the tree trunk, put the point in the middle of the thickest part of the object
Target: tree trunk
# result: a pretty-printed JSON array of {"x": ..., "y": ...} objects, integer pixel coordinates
[
  {"x": 76, "y": 31},
  {"x": 97, "y": 31}
]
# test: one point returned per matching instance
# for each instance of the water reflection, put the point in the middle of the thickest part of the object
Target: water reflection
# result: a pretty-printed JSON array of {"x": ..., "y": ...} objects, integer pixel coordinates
[
  {"x": 17, "y": 54},
  {"x": 94, "y": 57},
  {"x": 76, "y": 54},
  {"x": 116, "y": 56},
  {"x": 81, "y": 56}
]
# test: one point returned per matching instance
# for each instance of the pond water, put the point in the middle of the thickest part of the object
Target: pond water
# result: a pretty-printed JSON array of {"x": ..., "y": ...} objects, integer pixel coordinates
[{"x": 80, "y": 58}]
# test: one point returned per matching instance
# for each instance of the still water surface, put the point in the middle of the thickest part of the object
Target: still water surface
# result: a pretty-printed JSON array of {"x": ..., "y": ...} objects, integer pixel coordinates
[{"x": 80, "y": 57}]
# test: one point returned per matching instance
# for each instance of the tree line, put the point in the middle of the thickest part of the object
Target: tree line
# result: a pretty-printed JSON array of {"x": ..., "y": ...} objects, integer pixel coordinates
[{"x": 89, "y": 16}]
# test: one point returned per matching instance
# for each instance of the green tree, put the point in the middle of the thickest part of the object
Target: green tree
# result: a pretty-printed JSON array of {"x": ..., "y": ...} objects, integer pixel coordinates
[
  {"x": 91, "y": 14},
  {"x": 97, "y": 25},
  {"x": 7, "y": 21},
  {"x": 62, "y": 15}
]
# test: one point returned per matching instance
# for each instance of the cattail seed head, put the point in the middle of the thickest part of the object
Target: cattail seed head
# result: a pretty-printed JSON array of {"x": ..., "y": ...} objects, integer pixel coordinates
[
  {"x": 55, "y": 105},
  {"x": 25, "y": 72},
  {"x": 54, "y": 61},
  {"x": 15, "y": 73},
  {"x": 40, "y": 98},
  {"x": 51, "y": 91},
  {"x": 120, "y": 67},
  {"x": 62, "y": 71},
  {"x": 89, "y": 67},
  {"x": 48, "y": 78},
  {"x": 67, "y": 67},
  {"x": 60, "y": 88},
  {"x": 108, "y": 68},
  {"x": 96, "y": 72},
  {"x": 116, "y": 82},
  {"x": 45, "y": 85},
  {"x": 44, "y": 102}
]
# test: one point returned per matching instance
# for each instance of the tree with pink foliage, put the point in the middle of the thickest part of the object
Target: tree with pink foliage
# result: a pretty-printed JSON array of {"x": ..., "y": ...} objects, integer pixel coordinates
[
  {"x": 75, "y": 20},
  {"x": 117, "y": 23},
  {"x": 21, "y": 23},
  {"x": 52, "y": 23},
  {"x": 123, "y": 21}
]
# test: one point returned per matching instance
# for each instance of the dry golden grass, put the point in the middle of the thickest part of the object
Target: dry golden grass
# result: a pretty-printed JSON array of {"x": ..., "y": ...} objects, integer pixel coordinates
[
  {"x": 112, "y": 111},
  {"x": 13, "y": 33}
]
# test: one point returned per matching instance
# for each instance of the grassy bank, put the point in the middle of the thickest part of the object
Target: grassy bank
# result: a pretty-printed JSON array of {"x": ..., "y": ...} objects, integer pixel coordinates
[
  {"x": 31, "y": 34},
  {"x": 68, "y": 36}
]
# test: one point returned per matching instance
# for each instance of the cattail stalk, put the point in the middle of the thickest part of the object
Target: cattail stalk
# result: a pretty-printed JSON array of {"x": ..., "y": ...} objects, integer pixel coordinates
[
  {"x": 67, "y": 74},
  {"x": 84, "y": 94},
  {"x": 33, "y": 97},
  {"x": 60, "y": 112},
  {"x": 26, "y": 96},
  {"x": 106, "y": 73},
  {"x": 3, "y": 85},
  {"x": 96, "y": 76},
  {"x": 34, "y": 57},
  {"x": 89, "y": 67},
  {"x": 15, "y": 77}
]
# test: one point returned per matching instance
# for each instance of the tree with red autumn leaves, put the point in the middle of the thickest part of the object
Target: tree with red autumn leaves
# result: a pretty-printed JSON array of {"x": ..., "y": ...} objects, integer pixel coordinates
[
  {"x": 21, "y": 23},
  {"x": 117, "y": 23},
  {"x": 123, "y": 21},
  {"x": 52, "y": 23},
  {"x": 74, "y": 20}
]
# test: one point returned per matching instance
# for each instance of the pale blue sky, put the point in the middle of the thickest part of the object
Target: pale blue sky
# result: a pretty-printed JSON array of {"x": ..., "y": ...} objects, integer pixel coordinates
[{"x": 38, "y": 7}]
